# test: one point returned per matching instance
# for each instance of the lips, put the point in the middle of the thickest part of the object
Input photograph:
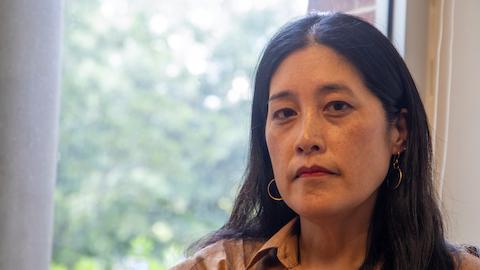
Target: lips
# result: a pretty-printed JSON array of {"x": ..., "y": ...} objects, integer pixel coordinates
[{"x": 312, "y": 171}]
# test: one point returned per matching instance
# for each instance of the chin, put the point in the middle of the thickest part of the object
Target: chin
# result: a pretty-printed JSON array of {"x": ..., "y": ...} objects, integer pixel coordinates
[
  {"x": 317, "y": 208},
  {"x": 319, "y": 213}
]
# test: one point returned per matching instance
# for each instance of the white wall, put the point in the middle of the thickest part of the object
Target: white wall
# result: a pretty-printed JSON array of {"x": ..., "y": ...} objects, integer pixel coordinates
[
  {"x": 440, "y": 41},
  {"x": 461, "y": 182}
]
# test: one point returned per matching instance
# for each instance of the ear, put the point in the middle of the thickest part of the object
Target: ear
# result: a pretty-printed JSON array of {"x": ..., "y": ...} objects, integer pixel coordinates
[{"x": 399, "y": 132}]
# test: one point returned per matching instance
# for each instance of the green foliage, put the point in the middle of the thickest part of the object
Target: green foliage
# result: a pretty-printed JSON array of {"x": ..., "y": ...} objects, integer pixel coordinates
[
  {"x": 85, "y": 263},
  {"x": 55, "y": 266},
  {"x": 154, "y": 125}
]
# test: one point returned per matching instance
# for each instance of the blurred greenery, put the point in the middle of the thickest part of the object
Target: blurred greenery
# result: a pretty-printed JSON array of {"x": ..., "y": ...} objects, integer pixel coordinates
[{"x": 154, "y": 125}]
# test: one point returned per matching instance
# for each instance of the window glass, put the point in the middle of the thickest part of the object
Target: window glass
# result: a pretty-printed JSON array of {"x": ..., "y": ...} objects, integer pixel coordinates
[{"x": 154, "y": 124}]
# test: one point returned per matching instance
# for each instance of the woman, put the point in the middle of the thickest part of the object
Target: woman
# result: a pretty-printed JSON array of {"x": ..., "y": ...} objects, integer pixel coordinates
[{"x": 339, "y": 175}]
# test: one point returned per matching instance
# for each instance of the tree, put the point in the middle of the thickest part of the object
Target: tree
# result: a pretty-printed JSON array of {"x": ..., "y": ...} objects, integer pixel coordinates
[{"x": 154, "y": 125}]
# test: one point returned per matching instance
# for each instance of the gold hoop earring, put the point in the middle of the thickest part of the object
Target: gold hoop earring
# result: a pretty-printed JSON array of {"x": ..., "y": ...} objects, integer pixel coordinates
[
  {"x": 270, "y": 194},
  {"x": 396, "y": 166}
]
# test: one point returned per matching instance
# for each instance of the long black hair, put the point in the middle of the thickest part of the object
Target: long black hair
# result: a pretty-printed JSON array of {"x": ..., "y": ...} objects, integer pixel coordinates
[{"x": 406, "y": 230}]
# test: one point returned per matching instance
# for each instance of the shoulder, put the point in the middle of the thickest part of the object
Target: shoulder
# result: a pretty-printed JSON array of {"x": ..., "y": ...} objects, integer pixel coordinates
[
  {"x": 469, "y": 262},
  {"x": 469, "y": 258},
  {"x": 229, "y": 254}
]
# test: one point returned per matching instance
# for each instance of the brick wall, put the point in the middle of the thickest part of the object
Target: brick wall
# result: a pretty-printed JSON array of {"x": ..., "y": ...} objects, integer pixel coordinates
[{"x": 361, "y": 8}]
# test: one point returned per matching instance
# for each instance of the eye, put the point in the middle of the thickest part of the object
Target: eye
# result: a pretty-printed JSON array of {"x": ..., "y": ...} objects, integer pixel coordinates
[
  {"x": 283, "y": 114},
  {"x": 337, "y": 107}
]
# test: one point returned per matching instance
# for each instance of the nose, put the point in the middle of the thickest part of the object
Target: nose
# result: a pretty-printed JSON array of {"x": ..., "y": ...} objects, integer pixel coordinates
[{"x": 310, "y": 136}]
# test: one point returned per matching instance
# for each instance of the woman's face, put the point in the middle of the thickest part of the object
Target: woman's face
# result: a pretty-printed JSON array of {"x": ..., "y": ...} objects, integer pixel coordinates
[{"x": 327, "y": 135}]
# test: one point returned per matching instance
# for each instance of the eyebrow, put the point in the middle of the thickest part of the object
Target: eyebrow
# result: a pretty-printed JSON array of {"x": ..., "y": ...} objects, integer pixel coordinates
[{"x": 321, "y": 90}]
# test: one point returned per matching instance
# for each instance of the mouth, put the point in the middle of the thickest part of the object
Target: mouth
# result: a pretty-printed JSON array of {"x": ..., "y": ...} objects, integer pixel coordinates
[{"x": 313, "y": 171}]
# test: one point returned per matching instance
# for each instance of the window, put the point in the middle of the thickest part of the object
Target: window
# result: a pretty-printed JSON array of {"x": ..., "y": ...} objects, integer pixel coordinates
[{"x": 154, "y": 124}]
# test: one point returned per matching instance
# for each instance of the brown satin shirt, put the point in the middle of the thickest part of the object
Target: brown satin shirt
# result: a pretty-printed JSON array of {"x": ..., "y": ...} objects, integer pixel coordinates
[{"x": 278, "y": 252}]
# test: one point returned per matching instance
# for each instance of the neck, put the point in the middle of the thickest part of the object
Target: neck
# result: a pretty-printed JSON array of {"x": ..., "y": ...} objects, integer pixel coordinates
[{"x": 335, "y": 242}]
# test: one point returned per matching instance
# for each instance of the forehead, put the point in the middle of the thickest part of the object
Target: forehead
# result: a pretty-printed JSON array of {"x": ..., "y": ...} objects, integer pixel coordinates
[{"x": 315, "y": 64}]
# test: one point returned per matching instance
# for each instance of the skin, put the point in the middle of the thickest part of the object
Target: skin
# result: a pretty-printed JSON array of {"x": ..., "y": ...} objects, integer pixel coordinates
[
  {"x": 469, "y": 262},
  {"x": 321, "y": 113}
]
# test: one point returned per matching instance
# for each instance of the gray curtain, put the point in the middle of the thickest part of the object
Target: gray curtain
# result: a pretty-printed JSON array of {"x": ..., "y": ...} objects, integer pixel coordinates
[{"x": 30, "y": 35}]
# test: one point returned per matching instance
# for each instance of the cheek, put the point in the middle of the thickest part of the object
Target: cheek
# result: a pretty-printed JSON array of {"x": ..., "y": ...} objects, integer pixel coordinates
[
  {"x": 277, "y": 144},
  {"x": 271, "y": 145},
  {"x": 366, "y": 153}
]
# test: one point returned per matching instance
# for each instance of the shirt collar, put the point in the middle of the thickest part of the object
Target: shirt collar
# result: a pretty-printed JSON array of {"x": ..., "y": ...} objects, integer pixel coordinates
[{"x": 285, "y": 242}]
